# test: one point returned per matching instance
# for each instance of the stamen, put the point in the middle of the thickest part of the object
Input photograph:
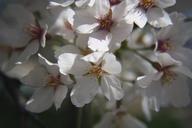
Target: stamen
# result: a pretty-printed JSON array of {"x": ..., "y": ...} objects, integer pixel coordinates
[
  {"x": 68, "y": 25},
  {"x": 34, "y": 31},
  {"x": 168, "y": 76},
  {"x": 54, "y": 81},
  {"x": 96, "y": 70},
  {"x": 106, "y": 22},
  {"x": 86, "y": 51},
  {"x": 114, "y": 2},
  {"x": 164, "y": 46},
  {"x": 146, "y": 4}
]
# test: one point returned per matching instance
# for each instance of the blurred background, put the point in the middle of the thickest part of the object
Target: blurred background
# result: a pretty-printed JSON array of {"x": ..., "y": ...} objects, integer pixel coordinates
[{"x": 12, "y": 114}]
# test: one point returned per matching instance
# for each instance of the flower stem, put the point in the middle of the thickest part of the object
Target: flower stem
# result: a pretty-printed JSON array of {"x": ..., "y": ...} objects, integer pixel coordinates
[{"x": 79, "y": 117}]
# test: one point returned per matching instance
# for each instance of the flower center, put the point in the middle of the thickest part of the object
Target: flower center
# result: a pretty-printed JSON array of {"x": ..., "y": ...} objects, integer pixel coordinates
[
  {"x": 168, "y": 76},
  {"x": 96, "y": 70},
  {"x": 68, "y": 25},
  {"x": 35, "y": 31},
  {"x": 106, "y": 22},
  {"x": 164, "y": 46},
  {"x": 114, "y": 2},
  {"x": 54, "y": 81},
  {"x": 86, "y": 51},
  {"x": 146, "y": 4}
]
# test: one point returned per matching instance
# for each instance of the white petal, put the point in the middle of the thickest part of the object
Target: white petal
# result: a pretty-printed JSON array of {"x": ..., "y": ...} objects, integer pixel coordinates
[
  {"x": 111, "y": 88},
  {"x": 120, "y": 11},
  {"x": 179, "y": 92},
  {"x": 158, "y": 17},
  {"x": 43, "y": 38},
  {"x": 183, "y": 70},
  {"x": 138, "y": 16},
  {"x": 60, "y": 95},
  {"x": 37, "y": 77},
  {"x": 111, "y": 65},
  {"x": 124, "y": 28},
  {"x": 99, "y": 41},
  {"x": 72, "y": 63},
  {"x": 51, "y": 67},
  {"x": 30, "y": 50},
  {"x": 82, "y": 41},
  {"x": 145, "y": 81},
  {"x": 84, "y": 91},
  {"x": 165, "y": 3},
  {"x": 84, "y": 22},
  {"x": 91, "y": 3},
  {"x": 66, "y": 80},
  {"x": 65, "y": 62},
  {"x": 183, "y": 54},
  {"x": 93, "y": 57},
  {"x": 166, "y": 60},
  {"x": 22, "y": 17},
  {"x": 60, "y": 3},
  {"x": 80, "y": 3},
  {"x": 41, "y": 100},
  {"x": 101, "y": 8},
  {"x": 67, "y": 49}
]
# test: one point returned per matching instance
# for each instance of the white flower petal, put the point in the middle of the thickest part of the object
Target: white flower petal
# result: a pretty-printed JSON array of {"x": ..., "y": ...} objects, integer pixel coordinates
[
  {"x": 22, "y": 17},
  {"x": 111, "y": 65},
  {"x": 165, "y": 3},
  {"x": 82, "y": 41},
  {"x": 67, "y": 49},
  {"x": 30, "y": 50},
  {"x": 111, "y": 88},
  {"x": 84, "y": 22},
  {"x": 41, "y": 100},
  {"x": 43, "y": 38},
  {"x": 166, "y": 60},
  {"x": 60, "y": 3},
  {"x": 51, "y": 67},
  {"x": 138, "y": 16},
  {"x": 60, "y": 95},
  {"x": 158, "y": 18},
  {"x": 80, "y": 3},
  {"x": 122, "y": 27},
  {"x": 84, "y": 91},
  {"x": 145, "y": 81},
  {"x": 102, "y": 8},
  {"x": 99, "y": 41},
  {"x": 93, "y": 57},
  {"x": 73, "y": 64},
  {"x": 66, "y": 61},
  {"x": 37, "y": 77},
  {"x": 179, "y": 92},
  {"x": 183, "y": 70}
]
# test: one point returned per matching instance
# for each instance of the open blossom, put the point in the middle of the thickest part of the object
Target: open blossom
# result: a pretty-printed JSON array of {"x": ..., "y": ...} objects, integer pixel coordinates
[
  {"x": 63, "y": 25},
  {"x": 151, "y": 11},
  {"x": 27, "y": 35},
  {"x": 50, "y": 84},
  {"x": 169, "y": 84},
  {"x": 91, "y": 74},
  {"x": 103, "y": 23},
  {"x": 172, "y": 39}
]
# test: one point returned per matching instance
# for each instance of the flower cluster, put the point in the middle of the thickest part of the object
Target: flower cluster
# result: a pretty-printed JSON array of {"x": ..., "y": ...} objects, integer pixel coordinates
[{"x": 118, "y": 49}]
